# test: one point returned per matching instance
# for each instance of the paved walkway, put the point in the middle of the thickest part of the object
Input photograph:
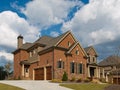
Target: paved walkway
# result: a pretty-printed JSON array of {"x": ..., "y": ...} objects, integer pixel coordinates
[{"x": 35, "y": 85}]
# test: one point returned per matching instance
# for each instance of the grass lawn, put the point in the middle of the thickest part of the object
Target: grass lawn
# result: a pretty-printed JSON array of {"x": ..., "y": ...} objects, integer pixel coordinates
[
  {"x": 8, "y": 87},
  {"x": 86, "y": 86}
]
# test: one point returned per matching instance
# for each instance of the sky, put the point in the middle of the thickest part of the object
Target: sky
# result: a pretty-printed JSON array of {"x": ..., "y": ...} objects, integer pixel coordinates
[{"x": 93, "y": 22}]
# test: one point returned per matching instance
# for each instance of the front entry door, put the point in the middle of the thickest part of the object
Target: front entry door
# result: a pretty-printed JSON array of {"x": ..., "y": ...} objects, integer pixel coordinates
[{"x": 26, "y": 71}]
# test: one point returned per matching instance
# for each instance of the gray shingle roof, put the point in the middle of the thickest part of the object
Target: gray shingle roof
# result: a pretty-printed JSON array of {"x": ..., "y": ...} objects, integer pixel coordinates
[
  {"x": 109, "y": 61},
  {"x": 26, "y": 46}
]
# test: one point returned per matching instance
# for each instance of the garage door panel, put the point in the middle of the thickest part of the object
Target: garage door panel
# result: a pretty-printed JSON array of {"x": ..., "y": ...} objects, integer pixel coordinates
[
  {"x": 48, "y": 73},
  {"x": 116, "y": 80},
  {"x": 39, "y": 74}
]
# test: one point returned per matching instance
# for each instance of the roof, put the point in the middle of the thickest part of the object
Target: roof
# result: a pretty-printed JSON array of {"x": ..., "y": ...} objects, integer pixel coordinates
[
  {"x": 54, "y": 41},
  {"x": 44, "y": 40},
  {"x": 87, "y": 49},
  {"x": 26, "y": 46},
  {"x": 115, "y": 72},
  {"x": 110, "y": 61}
]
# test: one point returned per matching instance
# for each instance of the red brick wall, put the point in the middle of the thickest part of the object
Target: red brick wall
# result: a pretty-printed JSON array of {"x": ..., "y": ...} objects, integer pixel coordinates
[
  {"x": 64, "y": 42},
  {"x": 46, "y": 59},
  {"x": 77, "y": 59},
  {"x": 31, "y": 68},
  {"x": 19, "y": 56},
  {"x": 59, "y": 54}
]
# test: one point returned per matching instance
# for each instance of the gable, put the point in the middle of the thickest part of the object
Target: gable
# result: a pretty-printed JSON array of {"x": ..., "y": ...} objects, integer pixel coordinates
[
  {"x": 92, "y": 52},
  {"x": 67, "y": 41},
  {"x": 77, "y": 47}
]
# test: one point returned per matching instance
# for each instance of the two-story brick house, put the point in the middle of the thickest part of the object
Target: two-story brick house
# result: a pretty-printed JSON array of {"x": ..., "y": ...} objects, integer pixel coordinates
[{"x": 48, "y": 57}]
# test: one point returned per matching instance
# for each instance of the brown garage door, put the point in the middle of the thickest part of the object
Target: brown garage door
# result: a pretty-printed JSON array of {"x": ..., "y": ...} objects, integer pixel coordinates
[
  {"x": 116, "y": 80},
  {"x": 39, "y": 74},
  {"x": 48, "y": 73}
]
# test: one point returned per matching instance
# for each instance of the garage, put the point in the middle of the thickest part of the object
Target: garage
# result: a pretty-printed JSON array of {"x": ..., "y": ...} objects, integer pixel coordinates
[
  {"x": 48, "y": 73},
  {"x": 116, "y": 80},
  {"x": 39, "y": 74}
]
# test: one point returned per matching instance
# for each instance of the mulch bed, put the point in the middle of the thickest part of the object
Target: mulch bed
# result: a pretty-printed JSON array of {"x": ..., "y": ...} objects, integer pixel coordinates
[{"x": 113, "y": 87}]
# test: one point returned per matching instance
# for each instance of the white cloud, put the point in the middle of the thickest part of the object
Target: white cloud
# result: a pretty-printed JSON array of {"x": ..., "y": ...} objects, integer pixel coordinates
[
  {"x": 7, "y": 56},
  {"x": 96, "y": 22},
  {"x": 11, "y": 25},
  {"x": 54, "y": 34},
  {"x": 44, "y": 13}
]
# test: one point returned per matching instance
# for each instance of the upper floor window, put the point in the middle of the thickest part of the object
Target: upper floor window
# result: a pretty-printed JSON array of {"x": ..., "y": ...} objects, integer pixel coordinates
[
  {"x": 72, "y": 67},
  {"x": 30, "y": 54},
  {"x": 93, "y": 59},
  {"x": 69, "y": 44},
  {"x": 88, "y": 59},
  {"x": 34, "y": 51},
  {"x": 77, "y": 52}
]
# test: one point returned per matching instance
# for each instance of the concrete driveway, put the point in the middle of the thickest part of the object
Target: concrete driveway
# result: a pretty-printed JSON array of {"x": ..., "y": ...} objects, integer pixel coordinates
[{"x": 35, "y": 85}]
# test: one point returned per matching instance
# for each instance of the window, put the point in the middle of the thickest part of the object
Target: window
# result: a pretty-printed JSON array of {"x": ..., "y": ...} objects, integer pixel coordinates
[
  {"x": 30, "y": 54},
  {"x": 77, "y": 52},
  {"x": 89, "y": 59},
  {"x": 26, "y": 70},
  {"x": 72, "y": 66},
  {"x": 80, "y": 68},
  {"x": 83, "y": 69},
  {"x": 93, "y": 59},
  {"x": 34, "y": 51},
  {"x": 69, "y": 44},
  {"x": 60, "y": 64}
]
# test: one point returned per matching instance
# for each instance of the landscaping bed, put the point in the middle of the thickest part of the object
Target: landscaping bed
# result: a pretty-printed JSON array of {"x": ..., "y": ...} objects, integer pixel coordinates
[{"x": 86, "y": 86}]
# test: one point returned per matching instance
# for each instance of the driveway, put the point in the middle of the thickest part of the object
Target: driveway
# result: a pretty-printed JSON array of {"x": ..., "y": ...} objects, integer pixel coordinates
[{"x": 35, "y": 85}]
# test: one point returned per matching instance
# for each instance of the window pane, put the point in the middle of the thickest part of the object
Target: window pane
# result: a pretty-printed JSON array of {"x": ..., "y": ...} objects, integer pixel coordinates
[
  {"x": 72, "y": 66},
  {"x": 59, "y": 64},
  {"x": 80, "y": 68}
]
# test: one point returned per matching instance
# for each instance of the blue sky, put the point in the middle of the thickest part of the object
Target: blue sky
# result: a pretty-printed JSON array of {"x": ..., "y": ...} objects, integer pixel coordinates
[{"x": 92, "y": 23}]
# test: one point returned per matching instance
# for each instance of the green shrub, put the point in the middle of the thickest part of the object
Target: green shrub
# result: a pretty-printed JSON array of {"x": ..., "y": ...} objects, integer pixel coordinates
[
  {"x": 73, "y": 79},
  {"x": 103, "y": 80},
  {"x": 56, "y": 81},
  {"x": 79, "y": 80},
  {"x": 65, "y": 77},
  {"x": 86, "y": 80}
]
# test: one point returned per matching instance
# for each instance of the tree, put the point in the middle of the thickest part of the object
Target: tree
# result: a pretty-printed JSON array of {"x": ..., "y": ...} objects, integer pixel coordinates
[
  {"x": 117, "y": 53},
  {"x": 3, "y": 73},
  {"x": 8, "y": 68}
]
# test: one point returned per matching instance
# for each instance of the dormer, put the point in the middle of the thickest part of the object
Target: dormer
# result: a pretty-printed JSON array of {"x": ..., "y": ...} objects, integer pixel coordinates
[{"x": 92, "y": 55}]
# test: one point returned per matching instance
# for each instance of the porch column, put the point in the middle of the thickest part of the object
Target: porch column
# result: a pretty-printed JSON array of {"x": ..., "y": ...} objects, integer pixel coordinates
[
  {"x": 88, "y": 71},
  {"x": 33, "y": 74},
  {"x": 44, "y": 73},
  {"x": 106, "y": 77},
  {"x": 23, "y": 70},
  {"x": 103, "y": 73},
  {"x": 98, "y": 72}
]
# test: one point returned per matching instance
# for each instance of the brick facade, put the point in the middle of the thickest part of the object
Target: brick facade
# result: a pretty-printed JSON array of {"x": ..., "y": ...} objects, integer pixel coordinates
[{"x": 64, "y": 49}]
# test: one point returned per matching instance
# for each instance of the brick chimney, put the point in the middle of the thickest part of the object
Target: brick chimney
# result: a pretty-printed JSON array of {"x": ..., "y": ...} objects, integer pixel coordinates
[{"x": 20, "y": 41}]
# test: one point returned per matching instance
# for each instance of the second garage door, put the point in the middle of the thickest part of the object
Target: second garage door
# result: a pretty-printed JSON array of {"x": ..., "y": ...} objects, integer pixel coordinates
[
  {"x": 39, "y": 74},
  {"x": 116, "y": 80},
  {"x": 48, "y": 73}
]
